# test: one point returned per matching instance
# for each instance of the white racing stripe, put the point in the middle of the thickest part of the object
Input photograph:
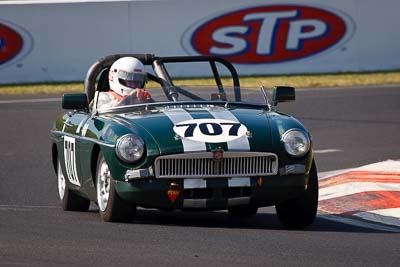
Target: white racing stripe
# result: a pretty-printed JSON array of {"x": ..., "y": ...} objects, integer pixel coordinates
[
  {"x": 239, "y": 181},
  {"x": 194, "y": 183},
  {"x": 202, "y": 183},
  {"x": 178, "y": 115},
  {"x": 241, "y": 143}
]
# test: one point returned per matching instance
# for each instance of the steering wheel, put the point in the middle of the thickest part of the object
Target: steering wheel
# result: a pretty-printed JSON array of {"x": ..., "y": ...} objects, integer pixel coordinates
[
  {"x": 129, "y": 100},
  {"x": 132, "y": 100}
]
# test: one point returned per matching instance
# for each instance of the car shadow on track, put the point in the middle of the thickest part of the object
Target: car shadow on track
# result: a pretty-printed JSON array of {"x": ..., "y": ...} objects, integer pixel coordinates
[{"x": 221, "y": 219}]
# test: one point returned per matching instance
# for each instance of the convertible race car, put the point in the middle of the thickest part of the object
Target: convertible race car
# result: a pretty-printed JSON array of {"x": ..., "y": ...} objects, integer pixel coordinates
[{"x": 191, "y": 148}]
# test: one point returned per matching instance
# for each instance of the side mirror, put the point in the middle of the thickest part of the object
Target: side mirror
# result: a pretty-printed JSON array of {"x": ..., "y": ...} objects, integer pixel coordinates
[
  {"x": 75, "y": 101},
  {"x": 283, "y": 94}
]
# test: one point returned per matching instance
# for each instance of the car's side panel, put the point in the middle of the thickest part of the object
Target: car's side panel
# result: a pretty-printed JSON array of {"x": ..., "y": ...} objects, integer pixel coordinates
[
  {"x": 73, "y": 125},
  {"x": 89, "y": 138},
  {"x": 65, "y": 135},
  {"x": 100, "y": 133}
]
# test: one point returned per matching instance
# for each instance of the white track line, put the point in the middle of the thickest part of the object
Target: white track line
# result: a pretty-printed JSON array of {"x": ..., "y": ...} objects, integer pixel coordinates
[
  {"x": 324, "y": 175},
  {"x": 351, "y": 188},
  {"x": 340, "y": 88},
  {"x": 37, "y": 100},
  {"x": 326, "y": 151},
  {"x": 25, "y": 207},
  {"x": 384, "y": 166}
]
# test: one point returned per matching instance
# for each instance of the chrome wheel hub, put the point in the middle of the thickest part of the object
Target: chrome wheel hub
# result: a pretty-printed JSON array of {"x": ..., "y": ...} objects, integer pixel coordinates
[
  {"x": 103, "y": 185},
  {"x": 61, "y": 182}
]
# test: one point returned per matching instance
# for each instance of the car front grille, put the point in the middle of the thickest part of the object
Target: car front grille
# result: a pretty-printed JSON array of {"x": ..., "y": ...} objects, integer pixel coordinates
[{"x": 202, "y": 165}]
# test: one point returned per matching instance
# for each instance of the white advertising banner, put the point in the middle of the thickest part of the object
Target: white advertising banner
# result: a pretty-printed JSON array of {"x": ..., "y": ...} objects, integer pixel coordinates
[{"x": 58, "y": 41}]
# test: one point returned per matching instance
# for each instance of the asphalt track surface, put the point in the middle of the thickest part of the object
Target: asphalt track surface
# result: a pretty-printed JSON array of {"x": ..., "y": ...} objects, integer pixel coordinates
[{"x": 350, "y": 126}]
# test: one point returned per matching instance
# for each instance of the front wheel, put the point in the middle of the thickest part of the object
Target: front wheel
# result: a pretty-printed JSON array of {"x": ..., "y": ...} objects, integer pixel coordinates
[
  {"x": 300, "y": 212},
  {"x": 69, "y": 200},
  {"x": 112, "y": 208}
]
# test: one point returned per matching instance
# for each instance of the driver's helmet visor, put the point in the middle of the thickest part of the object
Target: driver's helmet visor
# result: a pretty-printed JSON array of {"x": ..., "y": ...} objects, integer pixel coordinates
[{"x": 132, "y": 79}]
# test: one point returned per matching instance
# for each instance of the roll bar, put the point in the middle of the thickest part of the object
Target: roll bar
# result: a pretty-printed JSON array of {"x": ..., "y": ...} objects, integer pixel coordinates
[{"x": 161, "y": 72}]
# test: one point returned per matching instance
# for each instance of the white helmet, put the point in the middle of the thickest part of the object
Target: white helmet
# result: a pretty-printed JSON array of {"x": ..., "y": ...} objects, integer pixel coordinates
[{"x": 126, "y": 74}]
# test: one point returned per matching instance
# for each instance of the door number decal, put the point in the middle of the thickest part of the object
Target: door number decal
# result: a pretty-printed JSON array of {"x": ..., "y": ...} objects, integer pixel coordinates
[{"x": 70, "y": 160}]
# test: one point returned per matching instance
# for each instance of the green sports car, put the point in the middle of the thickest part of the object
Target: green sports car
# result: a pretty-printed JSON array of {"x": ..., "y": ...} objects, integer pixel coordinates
[{"x": 213, "y": 147}]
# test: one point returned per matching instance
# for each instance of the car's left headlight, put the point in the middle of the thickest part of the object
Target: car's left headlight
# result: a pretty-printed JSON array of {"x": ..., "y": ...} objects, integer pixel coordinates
[
  {"x": 296, "y": 142},
  {"x": 129, "y": 148}
]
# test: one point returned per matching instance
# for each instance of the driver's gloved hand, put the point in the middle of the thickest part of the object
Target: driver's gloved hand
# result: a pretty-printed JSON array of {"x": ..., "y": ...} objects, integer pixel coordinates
[{"x": 142, "y": 95}]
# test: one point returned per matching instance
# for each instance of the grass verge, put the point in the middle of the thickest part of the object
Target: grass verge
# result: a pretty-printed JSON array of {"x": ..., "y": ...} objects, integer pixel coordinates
[{"x": 320, "y": 80}]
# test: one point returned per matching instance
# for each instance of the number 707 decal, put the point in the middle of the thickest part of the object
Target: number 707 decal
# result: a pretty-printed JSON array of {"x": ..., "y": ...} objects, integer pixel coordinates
[{"x": 210, "y": 130}]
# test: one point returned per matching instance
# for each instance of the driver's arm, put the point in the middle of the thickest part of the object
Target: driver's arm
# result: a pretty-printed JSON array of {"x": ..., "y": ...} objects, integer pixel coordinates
[{"x": 106, "y": 100}]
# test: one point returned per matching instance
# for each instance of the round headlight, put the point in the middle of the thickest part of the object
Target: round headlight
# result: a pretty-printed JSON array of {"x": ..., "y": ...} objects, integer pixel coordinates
[
  {"x": 129, "y": 148},
  {"x": 297, "y": 142}
]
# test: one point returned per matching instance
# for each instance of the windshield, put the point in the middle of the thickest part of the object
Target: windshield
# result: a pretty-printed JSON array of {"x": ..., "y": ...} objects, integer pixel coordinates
[
  {"x": 209, "y": 93},
  {"x": 184, "y": 93}
]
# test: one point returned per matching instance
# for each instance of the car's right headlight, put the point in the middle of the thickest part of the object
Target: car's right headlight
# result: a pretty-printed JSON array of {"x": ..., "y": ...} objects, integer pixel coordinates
[
  {"x": 129, "y": 148},
  {"x": 297, "y": 142}
]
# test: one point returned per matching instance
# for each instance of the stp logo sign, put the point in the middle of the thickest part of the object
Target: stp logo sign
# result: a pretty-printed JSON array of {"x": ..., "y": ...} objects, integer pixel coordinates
[
  {"x": 15, "y": 43},
  {"x": 269, "y": 34}
]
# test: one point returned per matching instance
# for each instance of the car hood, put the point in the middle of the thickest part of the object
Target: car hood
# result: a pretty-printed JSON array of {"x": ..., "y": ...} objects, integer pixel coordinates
[{"x": 179, "y": 130}]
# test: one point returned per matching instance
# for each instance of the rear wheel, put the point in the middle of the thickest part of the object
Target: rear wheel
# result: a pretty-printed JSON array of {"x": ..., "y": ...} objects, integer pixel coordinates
[
  {"x": 300, "y": 212},
  {"x": 243, "y": 211},
  {"x": 69, "y": 200},
  {"x": 112, "y": 208}
]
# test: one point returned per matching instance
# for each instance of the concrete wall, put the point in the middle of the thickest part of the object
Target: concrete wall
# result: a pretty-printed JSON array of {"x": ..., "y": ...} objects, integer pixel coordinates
[{"x": 58, "y": 41}]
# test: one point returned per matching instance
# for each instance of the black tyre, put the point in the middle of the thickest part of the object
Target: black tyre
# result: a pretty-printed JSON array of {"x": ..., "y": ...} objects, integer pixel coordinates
[
  {"x": 242, "y": 211},
  {"x": 111, "y": 207},
  {"x": 69, "y": 200},
  {"x": 300, "y": 212}
]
